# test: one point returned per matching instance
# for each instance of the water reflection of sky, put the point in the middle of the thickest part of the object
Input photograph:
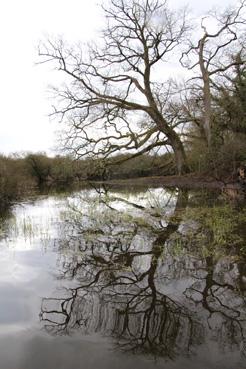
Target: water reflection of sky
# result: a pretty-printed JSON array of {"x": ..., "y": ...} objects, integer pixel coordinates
[{"x": 26, "y": 264}]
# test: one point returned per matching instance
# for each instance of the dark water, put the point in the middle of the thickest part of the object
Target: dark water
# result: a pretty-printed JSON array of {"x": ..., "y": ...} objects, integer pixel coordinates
[{"x": 123, "y": 279}]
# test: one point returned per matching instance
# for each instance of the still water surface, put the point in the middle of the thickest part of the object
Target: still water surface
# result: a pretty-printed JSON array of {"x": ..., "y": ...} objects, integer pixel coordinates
[{"x": 123, "y": 279}]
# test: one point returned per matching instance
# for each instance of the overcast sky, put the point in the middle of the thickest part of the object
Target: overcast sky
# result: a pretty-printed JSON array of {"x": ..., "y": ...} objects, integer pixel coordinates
[{"x": 24, "y": 121}]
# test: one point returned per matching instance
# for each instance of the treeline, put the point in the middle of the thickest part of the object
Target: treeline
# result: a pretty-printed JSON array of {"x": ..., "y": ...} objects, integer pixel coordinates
[{"x": 22, "y": 176}]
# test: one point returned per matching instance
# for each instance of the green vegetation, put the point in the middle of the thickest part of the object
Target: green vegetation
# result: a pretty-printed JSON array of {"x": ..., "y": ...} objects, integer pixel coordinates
[{"x": 218, "y": 230}]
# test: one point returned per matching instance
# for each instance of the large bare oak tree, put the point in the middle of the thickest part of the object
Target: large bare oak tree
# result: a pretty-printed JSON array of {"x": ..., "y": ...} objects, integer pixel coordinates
[{"x": 116, "y": 99}]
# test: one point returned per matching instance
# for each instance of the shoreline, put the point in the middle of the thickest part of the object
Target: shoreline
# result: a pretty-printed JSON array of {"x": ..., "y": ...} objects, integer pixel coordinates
[{"x": 185, "y": 181}]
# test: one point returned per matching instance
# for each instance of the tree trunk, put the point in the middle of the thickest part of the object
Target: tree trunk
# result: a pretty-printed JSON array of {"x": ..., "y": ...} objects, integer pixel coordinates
[
  {"x": 173, "y": 138},
  {"x": 180, "y": 157},
  {"x": 207, "y": 110},
  {"x": 206, "y": 92}
]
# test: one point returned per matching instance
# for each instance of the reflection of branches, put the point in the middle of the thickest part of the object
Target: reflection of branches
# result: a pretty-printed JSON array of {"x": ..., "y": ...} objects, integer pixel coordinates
[
  {"x": 142, "y": 318},
  {"x": 222, "y": 302},
  {"x": 119, "y": 281},
  {"x": 153, "y": 323}
]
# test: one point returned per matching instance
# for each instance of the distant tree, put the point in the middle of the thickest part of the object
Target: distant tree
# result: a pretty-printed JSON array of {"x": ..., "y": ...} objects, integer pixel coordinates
[
  {"x": 39, "y": 166},
  {"x": 112, "y": 101}
]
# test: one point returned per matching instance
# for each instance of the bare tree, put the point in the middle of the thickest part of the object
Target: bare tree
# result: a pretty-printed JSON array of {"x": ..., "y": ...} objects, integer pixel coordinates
[
  {"x": 112, "y": 101},
  {"x": 213, "y": 56}
]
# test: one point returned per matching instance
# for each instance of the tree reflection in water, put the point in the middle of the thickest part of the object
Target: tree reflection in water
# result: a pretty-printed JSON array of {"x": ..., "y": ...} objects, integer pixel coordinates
[{"x": 125, "y": 284}]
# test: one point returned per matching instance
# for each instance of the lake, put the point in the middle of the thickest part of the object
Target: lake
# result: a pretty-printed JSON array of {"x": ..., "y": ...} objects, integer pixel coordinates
[{"x": 123, "y": 278}]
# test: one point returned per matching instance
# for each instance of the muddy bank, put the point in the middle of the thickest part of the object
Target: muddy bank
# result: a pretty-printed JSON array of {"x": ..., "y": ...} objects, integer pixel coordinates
[{"x": 186, "y": 181}]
